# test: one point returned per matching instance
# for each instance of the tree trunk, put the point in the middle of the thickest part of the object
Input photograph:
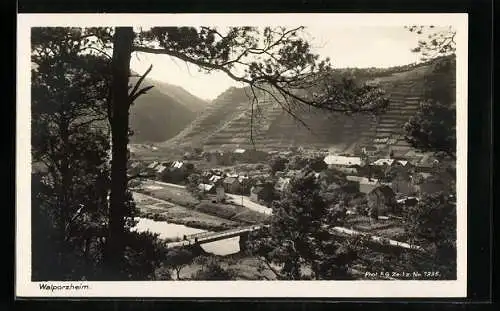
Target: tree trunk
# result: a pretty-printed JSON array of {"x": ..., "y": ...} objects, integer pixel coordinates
[
  {"x": 65, "y": 179},
  {"x": 122, "y": 49}
]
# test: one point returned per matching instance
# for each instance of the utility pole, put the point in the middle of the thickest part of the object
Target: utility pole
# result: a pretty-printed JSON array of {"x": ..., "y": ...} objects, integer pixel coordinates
[{"x": 242, "y": 190}]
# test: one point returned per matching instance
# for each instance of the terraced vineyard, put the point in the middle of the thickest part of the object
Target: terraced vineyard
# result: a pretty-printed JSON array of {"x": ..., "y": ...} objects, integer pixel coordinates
[{"x": 226, "y": 123}]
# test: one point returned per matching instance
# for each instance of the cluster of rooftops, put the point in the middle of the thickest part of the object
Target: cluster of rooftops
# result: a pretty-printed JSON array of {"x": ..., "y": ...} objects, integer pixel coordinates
[
  {"x": 352, "y": 161},
  {"x": 340, "y": 160}
]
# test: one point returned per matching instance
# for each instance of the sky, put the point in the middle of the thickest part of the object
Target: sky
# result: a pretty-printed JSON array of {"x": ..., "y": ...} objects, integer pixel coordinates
[{"x": 383, "y": 46}]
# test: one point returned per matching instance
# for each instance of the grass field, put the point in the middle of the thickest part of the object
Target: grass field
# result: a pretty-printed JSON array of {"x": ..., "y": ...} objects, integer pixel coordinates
[
  {"x": 231, "y": 212},
  {"x": 387, "y": 228},
  {"x": 172, "y": 194}
]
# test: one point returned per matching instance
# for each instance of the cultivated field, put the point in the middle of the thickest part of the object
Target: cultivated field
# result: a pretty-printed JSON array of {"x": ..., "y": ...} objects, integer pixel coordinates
[
  {"x": 161, "y": 210},
  {"x": 173, "y": 194},
  {"x": 390, "y": 228}
]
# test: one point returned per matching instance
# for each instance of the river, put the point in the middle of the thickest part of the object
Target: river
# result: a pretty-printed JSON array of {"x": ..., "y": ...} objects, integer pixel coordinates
[{"x": 167, "y": 230}]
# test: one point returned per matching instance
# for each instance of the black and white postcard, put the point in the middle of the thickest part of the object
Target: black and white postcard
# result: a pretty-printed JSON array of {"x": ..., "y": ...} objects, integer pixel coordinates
[{"x": 272, "y": 155}]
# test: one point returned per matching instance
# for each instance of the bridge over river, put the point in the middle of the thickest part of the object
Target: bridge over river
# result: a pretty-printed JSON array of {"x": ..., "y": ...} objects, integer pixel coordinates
[{"x": 207, "y": 237}]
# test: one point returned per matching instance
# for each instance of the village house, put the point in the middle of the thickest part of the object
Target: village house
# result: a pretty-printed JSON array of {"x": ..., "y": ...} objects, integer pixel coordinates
[
  {"x": 262, "y": 192},
  {"x": 150, "y": 169},
  {"x": 280, "y": 174},
  {"x": 381, "y": 201},
  {"x": 285, "y": 154},
  {"x": 381, "y": 140},
  {"x": 418, "y": 178},
  {"x": 407, "y": 201},
  {"x": 244, "y": 184},
  {"x": 219, "y": 193},
  {"x": 426, "y": 164},
  {"x": 217, "y": 172},
  {"x": 159, "y": 169},
  {"x": 366, "y": 185},
  {"x": 211, "y": 157},
  {"x": 403, "y": 187},
  {"x": 336, "y": 161},
  {"x": 174, "y": 173},
  {"x": 250, "y": 156},
  {"x": 390, "y": 162},
  {"x": 224, "y": 158},
  {"x": 135, "y": 168},
  {"x": 400, "y": 180},
  {"x": 231, "y": 184},
  {"x": 177, "y": 164},
  {"x": 214, "y": 179},
  {"x": 292, "y": 173},
  {"x": 206, "y": 188},
  {"x": 348, "y": 170},
  {"x": 383, "y": 162},
  {"x": 153, "y": 164},
  {"x": 369, "y": 150},
  {"x": 404, "y": 163},
  {"x": 431, "y": 185},
  {"x": 205, "y": 176},
  {"x": 239, "y": 154},
  {"x": 219, "y": 158}
]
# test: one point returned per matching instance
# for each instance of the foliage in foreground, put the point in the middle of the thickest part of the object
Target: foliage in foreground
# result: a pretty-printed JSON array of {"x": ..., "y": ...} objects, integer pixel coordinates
[
  {"x": 298, "y": 244},
  {"x": 70, "y": 181}
]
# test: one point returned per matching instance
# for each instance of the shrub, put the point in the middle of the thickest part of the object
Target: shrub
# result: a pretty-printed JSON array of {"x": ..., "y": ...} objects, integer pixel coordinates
[{"x": 212, "y": 270}]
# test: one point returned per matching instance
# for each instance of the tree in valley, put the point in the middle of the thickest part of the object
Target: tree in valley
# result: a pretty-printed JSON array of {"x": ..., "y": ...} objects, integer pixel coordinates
[
  {"x": 432, "y": 224},
  {"x": 193, "y": 182},
  {"x": 297, "y": 162},
  {"x": 178, "y": 258},
  {"x": 297, "y": 244},
  {"x": 277, "y": 164},
  {"x": 433, "y": 127},
  {"x": 212, "y": 270},
  {"x": 317, "y": 164}
]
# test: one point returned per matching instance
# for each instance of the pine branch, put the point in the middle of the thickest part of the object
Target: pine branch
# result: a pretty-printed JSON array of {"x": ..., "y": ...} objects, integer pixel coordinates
[
  {"x": 141, "y": 92},
  {"x": 134, "y": 94}
]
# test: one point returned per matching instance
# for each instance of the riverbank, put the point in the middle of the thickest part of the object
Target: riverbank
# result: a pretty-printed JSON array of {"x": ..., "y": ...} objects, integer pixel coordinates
[{"x": 160, "y": 210}]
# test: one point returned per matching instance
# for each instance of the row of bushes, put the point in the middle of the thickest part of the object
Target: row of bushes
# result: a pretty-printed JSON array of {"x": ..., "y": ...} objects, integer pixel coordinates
[{"x": 231, "y": 212}]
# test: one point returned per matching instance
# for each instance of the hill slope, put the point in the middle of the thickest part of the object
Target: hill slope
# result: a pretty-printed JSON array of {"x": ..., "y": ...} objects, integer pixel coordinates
[
  {"x": 226, "y": 123},
  {"x": 163, "y": 112},
  {"x": 182, "y": 96}
]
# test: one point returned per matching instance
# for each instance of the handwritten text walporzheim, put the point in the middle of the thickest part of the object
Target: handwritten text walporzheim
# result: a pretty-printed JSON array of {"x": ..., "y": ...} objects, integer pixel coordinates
[{"x": 71, "y": 286}]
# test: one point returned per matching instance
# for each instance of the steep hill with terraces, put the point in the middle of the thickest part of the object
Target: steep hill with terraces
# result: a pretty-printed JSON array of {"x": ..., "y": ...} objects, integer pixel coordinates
[{"x": 226, "y": 123}]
